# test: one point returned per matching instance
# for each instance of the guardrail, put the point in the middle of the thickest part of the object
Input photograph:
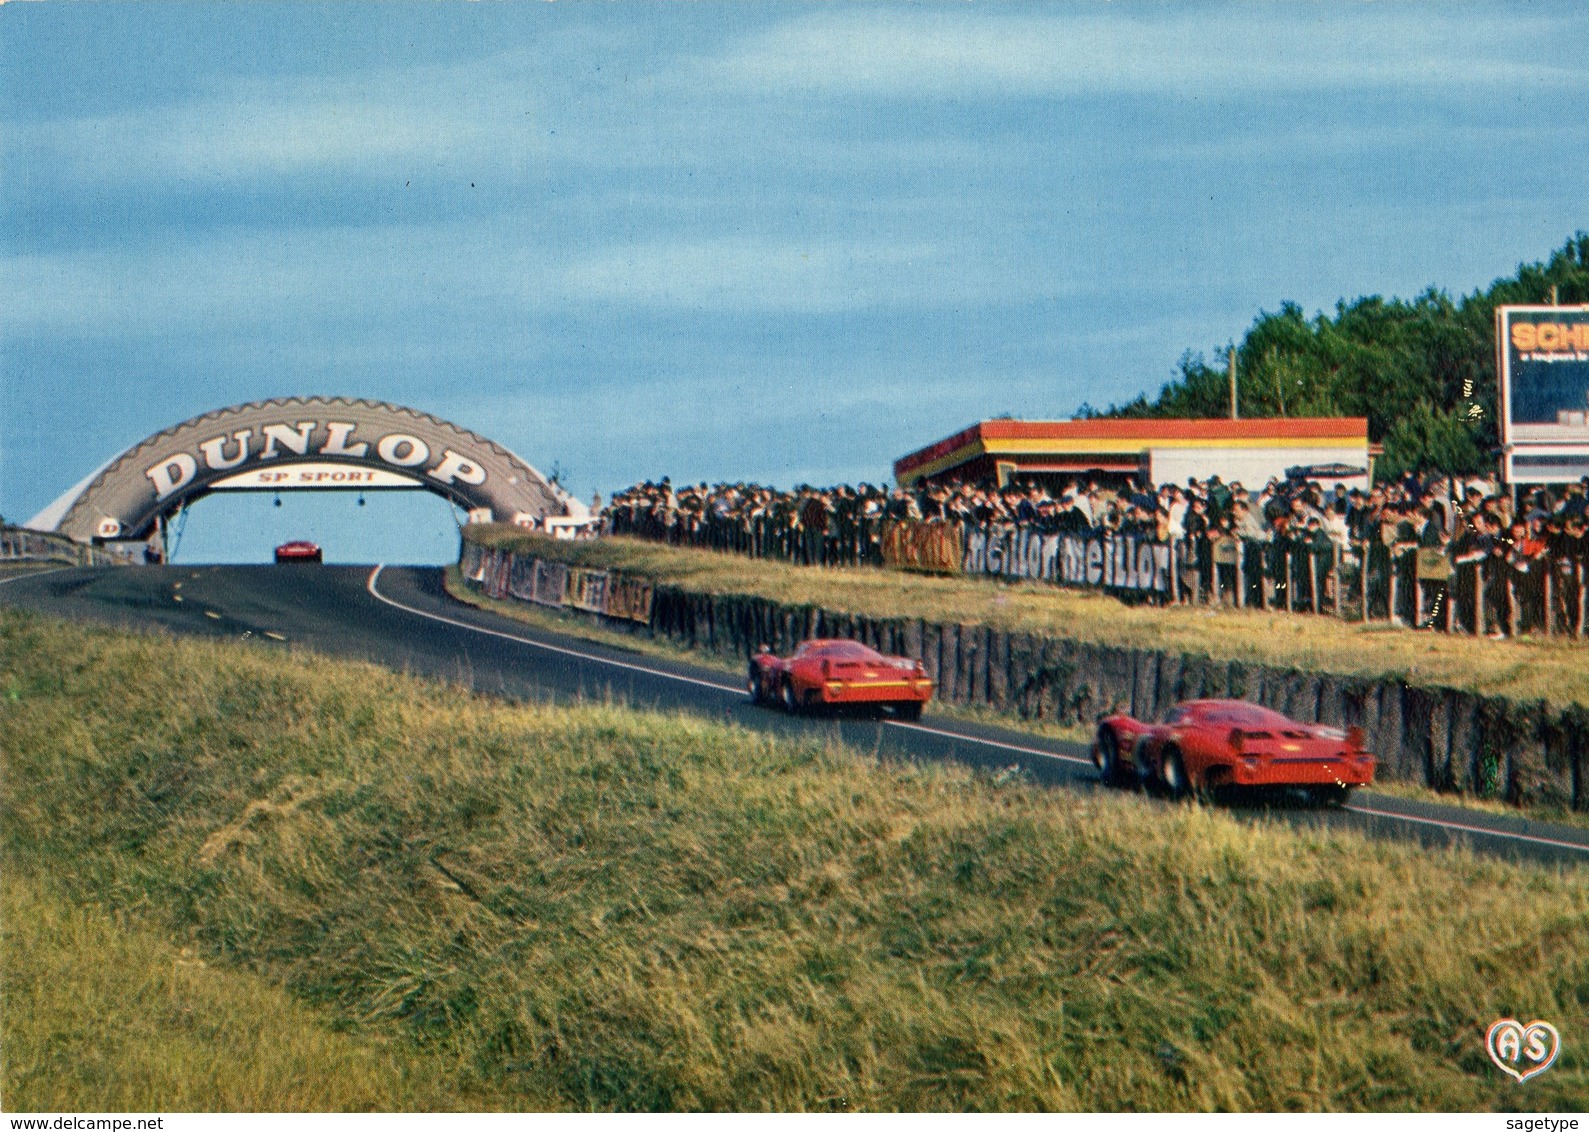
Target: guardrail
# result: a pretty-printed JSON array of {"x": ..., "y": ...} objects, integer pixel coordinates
[
  {"x": 20, "y": 545},
  {"x": 503, "y": 574}
]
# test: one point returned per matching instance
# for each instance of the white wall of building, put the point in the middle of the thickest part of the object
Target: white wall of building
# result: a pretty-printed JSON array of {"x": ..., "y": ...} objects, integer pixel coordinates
[{"x": 1252, "y": 467}]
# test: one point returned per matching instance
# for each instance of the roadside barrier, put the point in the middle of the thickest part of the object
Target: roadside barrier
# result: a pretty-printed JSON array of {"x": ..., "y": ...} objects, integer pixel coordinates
[
  {"x": 20, "y": 545},
  {"x": 500, "y": 574},
  {"x": 935, "y": 547}
]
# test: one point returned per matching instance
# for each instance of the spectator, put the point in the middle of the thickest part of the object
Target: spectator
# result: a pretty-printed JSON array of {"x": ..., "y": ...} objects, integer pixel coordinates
[
  {"x": 1196, "y": 529},
  {"x": 1318, "y": 554},
  {"x": 1290, "y": 536}
]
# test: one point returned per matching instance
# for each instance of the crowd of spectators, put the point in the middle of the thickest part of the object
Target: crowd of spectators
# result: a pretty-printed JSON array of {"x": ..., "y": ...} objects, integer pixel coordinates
[{"x": 1509, "y": 567}]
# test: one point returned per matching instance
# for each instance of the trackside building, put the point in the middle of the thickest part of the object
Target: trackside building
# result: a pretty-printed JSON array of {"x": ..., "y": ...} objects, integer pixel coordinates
[{"x": 1147, "y": 451}]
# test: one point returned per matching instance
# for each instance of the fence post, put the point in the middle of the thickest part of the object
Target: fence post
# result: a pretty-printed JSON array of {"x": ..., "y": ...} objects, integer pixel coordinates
[
  {"x": 1175, "y": 574},
  {"x": 1313, "y": 566},
  {"x": 1478, "y": 599},
  {"x": 1340, "y": 581},
  {"x": 1550, "y": 608},
  {"x": 1390, "y": 609},
  {"x": 1583, "y": 606},
  {"x": 1362, "y": 578}
]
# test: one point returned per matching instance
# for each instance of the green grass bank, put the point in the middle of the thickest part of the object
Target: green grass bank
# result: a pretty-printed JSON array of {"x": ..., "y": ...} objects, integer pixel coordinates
[{"x": 475, "y": 904}]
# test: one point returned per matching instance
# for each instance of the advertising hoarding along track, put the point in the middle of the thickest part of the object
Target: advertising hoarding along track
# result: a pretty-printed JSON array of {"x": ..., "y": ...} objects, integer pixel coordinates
[
  {"x": 502, "y": 574},
  {"x": 1542, "y": 361},
  {"x": 1118, "y": 562}
]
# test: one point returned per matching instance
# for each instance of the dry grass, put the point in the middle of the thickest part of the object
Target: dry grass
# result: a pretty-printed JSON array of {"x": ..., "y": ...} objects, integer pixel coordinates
[
  {"x": 1556, "y": 670},
  {"x": 607, "y": 909},
  {"x": 101, "y": 1013}
]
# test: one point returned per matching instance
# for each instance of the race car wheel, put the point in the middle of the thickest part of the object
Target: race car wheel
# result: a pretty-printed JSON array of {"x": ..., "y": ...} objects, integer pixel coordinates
[
  {"x": 1107, "y": 759},
  {"x": 753, "y": 685},
  {"x": 1332, "y": 796},
  {"x": 1172, "y": 775},
  {"x": 910, "y": 711},
  {"x": 791, "y": 701}
]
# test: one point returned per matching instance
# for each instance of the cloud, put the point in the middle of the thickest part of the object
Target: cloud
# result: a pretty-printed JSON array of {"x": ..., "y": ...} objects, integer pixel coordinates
[
  {"x": 235, "y": 279},
  {"x": 383, "y": 274},
  {"x": 816, "y": 275},
  {"x": 220, "y": 142},
  {"x": 978, "y": 51},
  {"x": 414, "y": 117}
]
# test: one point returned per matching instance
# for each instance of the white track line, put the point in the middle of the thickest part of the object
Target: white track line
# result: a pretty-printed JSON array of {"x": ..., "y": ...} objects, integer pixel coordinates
[
  {"x": 34, "y": 574},
  {"x": 1451, "y": 825},
  {"x": 991, "y": 743},
  {"x": 1470, "y": 828},
  {"x": 376, "y": 573}
]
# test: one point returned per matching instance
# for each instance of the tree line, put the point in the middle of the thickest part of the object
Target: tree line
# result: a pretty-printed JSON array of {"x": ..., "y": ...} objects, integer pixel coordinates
[{"x": 1421, "y": 370}]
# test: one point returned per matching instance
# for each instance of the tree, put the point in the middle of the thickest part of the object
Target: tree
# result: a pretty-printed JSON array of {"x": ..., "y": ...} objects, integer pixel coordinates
[
  {"x": 1421, "y": 371},
  {"x": 1428, "y": 439}
]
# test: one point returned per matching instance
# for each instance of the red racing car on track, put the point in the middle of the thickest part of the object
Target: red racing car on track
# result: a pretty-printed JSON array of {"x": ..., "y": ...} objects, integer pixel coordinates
[
  {"x": 299, "y": 551},
  {"x": 830, "y": 673},
  {"x": 1212, "y": 744}
]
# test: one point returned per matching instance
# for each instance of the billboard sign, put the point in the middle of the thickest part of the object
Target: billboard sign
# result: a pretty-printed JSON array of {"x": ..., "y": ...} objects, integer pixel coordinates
[
  {"x": 298, "y": 477},
  {"x": 1118, "y": 562},
  {"x": 933, "y": 547},
  {"x": 1542, "y": 359}
]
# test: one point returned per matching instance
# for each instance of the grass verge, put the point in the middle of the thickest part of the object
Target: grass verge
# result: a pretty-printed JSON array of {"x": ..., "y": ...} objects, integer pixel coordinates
[
  {"x": 101, "y": 1013},
  {"x": 595, "y": 908},
  {"x": 1555, "y": 670}
]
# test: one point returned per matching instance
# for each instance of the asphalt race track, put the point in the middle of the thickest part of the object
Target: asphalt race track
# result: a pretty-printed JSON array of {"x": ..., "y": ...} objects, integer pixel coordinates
[{"x": 401, "y": 617}]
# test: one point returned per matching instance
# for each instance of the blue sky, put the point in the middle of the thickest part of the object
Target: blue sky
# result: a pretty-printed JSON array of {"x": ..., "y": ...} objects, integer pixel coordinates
[{"x": 776, "y": 242}]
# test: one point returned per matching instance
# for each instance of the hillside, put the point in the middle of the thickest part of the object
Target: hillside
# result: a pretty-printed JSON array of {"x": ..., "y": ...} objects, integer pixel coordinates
[{"x": 598, "y": 908}]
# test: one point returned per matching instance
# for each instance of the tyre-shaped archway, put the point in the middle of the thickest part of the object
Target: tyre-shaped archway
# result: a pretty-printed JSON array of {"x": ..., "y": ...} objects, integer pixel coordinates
[{"x": 302, "y": 443}]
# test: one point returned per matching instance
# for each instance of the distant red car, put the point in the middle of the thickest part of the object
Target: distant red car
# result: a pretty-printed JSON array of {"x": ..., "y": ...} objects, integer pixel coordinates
[
  {"x": 298, "y": 552},
  {"x": 1210, "y": 744},
  {"x": 830, "y": 673}
]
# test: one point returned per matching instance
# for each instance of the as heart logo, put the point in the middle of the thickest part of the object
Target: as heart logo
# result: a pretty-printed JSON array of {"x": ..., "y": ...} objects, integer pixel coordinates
[{"x": 1523, "y": 1051}]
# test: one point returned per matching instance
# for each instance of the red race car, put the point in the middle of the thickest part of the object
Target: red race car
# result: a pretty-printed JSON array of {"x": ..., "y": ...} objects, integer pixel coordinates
[
  {"x": 1211, "y": 744},
  {"x": 829, "y": 673},
  {"x": 298, "y": 552}
]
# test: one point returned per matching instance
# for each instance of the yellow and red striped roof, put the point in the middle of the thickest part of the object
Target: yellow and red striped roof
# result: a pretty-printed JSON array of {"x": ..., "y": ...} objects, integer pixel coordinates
[{"x": 1037, "y": 438}]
